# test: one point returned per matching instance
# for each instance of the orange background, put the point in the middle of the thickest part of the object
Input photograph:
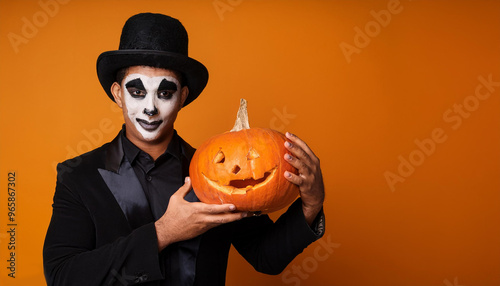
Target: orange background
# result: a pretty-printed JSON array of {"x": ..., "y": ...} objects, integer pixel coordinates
[{"x": 438, "y": 225}]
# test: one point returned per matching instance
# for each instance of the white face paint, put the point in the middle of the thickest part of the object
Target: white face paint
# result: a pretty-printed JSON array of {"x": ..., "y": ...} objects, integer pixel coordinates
[{"x": 151, "y": 102}]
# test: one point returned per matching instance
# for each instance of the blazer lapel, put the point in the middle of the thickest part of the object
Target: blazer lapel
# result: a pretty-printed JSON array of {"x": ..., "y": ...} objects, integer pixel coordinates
[{"x": 121, "y": 180}]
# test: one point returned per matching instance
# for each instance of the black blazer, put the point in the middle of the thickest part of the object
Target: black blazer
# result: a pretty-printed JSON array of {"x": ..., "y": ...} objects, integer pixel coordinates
[{"x": 90, "y": 242}]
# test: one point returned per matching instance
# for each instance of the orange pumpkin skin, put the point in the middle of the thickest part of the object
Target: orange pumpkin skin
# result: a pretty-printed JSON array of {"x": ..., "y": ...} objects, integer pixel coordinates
[{"x": 244, "y": 168}]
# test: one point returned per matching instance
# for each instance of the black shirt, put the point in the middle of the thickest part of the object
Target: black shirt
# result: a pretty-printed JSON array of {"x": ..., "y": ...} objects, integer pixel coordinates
[{"x": 161, "y": 178}]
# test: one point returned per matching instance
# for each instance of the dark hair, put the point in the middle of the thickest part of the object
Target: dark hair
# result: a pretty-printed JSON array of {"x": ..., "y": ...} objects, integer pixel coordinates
[{"x": 120, "y": 75}]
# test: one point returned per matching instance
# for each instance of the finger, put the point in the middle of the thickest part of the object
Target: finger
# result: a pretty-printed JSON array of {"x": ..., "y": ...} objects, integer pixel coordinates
[
  {"x": 294, "y": 179},
  {"x": 225, "y": 218},
  {"x": 303, "y": 145},
  {"x": 184, "y": 190},
  {"x": 216, "y": 209},
  {"x": 297, "y": 164},
  {"x": 298, "y": 152}
]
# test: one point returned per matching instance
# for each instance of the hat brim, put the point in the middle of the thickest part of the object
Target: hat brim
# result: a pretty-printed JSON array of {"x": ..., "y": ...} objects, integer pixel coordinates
[{"x": 194, "y": 73}]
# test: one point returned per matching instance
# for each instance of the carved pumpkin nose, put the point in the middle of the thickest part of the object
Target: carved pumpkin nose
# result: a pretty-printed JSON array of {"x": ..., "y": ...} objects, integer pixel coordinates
[{"x": 236, "y": 169}]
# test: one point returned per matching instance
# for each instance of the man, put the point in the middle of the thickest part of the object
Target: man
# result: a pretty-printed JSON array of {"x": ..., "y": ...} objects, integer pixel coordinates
[{"x": 125, "y": 214}]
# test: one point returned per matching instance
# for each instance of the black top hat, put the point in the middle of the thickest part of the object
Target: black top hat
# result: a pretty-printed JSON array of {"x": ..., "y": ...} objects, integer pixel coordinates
[{"x": 153, "y": 40}]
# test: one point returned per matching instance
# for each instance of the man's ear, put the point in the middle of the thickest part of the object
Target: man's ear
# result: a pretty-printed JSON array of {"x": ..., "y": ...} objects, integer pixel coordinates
[
  {"x": 116, "y": 90},
  {"x": 184, "y": 94}
]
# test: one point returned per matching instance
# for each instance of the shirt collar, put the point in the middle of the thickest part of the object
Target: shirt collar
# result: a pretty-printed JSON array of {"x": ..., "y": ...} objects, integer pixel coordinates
[{"x": 131, "y": 151}]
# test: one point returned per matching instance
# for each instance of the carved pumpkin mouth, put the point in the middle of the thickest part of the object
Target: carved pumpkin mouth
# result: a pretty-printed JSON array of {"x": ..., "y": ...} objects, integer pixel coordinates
[{"x": 243, "y": 185}]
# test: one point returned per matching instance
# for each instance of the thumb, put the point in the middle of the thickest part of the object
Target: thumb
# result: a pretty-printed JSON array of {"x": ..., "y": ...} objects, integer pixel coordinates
[{"x": 184, "y": 190}]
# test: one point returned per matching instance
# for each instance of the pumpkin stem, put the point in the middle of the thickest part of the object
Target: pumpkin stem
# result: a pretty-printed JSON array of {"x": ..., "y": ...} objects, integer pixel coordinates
[{"x": 242, "y": 117}]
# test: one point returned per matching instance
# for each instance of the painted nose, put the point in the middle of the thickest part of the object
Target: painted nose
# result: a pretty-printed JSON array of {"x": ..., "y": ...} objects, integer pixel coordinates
[{"x": 149, "y": 112}]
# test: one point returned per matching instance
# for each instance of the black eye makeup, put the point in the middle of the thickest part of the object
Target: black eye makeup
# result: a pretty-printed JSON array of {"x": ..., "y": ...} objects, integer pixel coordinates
[
  {"x": 136, "y": 88},
  {"x": 166, "y": 89}
]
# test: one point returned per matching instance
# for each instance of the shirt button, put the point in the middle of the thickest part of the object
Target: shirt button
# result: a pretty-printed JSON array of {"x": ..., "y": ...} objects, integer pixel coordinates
[
  {"x": 139, "y": 279},
  {"x": 149, "y": 178}
]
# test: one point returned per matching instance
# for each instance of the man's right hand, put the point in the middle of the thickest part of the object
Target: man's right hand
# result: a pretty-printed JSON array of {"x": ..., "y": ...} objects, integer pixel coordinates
[{"x": 184, "y": 220}]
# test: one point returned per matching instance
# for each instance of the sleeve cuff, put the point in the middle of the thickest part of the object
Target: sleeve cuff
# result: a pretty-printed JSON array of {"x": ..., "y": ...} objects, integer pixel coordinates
[
  {"x": 317, "y": 229},
  {"x": 146, "y": 266},
  {"x": 318, "y": 225}
]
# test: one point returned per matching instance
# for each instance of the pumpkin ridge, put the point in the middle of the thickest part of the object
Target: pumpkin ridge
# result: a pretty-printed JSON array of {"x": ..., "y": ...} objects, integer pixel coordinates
[{"x": 277, "y": 147}]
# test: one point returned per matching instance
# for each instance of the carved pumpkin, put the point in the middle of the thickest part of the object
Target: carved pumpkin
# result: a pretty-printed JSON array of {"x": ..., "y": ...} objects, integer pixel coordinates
[{"x": 244, "y": 167}]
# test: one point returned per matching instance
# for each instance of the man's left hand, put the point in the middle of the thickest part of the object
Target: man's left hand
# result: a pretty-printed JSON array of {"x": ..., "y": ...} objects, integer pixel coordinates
[{"x": 309, "y": 179}]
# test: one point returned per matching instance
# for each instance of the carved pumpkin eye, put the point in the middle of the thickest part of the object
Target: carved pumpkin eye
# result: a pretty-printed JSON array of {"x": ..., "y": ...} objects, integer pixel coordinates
[
  {"x": 252, "y": 154},
  {"x": 219, "y": 157}
]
